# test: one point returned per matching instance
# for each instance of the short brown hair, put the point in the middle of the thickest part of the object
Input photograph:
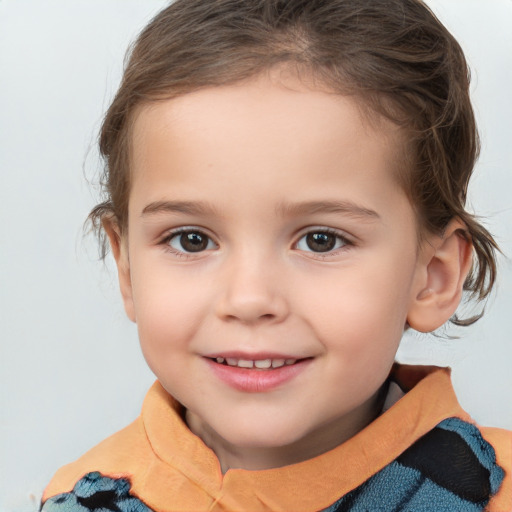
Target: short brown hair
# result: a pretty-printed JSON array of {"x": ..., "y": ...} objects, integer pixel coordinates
[{"x": 394, "y": 56}]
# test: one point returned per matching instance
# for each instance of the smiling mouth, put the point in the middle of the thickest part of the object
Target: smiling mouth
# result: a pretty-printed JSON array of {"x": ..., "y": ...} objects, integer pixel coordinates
[{"x": 258, "y": 364}]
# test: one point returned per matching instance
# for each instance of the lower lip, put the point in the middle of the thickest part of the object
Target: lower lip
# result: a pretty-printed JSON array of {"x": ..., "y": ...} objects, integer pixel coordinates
[{"x": 257, "y": 381}]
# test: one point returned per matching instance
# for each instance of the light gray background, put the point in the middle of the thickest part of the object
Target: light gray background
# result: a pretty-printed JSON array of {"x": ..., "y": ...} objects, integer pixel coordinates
[{"x": 71, "y": 369}]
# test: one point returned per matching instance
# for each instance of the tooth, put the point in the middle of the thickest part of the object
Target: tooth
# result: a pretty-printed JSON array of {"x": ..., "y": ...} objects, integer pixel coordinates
[
  {"x": 244, "y": 363},
  {"x": 291, "y": 361},
  {"x": 220, "y": 359},
  {"x": 264, "y": 363},
  {"x": 276, "y": 363},
  {"x": 231, "y": 361}
]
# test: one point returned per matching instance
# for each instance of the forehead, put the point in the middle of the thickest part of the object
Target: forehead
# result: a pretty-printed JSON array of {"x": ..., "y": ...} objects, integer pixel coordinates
[
  {"x": 277, "y": 130},
  {"x": 290, "y": 99}
]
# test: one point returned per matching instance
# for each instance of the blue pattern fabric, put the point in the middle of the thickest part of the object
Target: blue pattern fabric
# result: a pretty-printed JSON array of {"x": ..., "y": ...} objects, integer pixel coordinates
[
  {"x": 96, "y": 493},
  {"x": 450, "y": 469}
]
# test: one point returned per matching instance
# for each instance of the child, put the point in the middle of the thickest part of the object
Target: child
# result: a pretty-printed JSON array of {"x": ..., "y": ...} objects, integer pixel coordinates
[{"x": 285, "y": 186}]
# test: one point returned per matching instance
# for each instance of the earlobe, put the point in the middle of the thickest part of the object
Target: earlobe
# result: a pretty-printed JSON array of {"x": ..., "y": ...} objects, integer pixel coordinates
[
  {"x": 443, "y": 266},
  {"x": 118, "y": 244}
]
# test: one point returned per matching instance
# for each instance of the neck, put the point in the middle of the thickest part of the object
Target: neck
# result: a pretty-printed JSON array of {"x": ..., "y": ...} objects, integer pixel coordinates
[{"x": 321, "y": 440}]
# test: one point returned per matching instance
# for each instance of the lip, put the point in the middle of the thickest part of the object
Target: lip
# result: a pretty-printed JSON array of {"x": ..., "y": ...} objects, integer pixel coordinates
[
  {"x": 255, "y": 356},
  {"x": 254, "y": 380}
]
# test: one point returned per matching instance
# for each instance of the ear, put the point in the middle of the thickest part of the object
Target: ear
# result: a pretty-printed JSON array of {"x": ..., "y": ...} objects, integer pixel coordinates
[
  {"x": 119, "y": 246},
  {"x": 443, "y": 265}
]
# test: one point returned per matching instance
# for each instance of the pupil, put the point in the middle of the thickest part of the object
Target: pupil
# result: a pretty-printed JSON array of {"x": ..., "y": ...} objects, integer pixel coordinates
[
  {"x": 193, "y": 242},
  {"x": 320, "y": 242}
]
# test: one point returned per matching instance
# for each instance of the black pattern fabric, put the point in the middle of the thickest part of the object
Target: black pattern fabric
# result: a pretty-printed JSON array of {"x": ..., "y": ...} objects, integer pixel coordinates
[
  {"x": 450, "y": 469},
  {"x": 97, "y": 493}
]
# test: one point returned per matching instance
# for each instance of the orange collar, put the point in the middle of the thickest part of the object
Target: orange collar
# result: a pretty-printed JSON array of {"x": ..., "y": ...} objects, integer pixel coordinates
[{"x": 184, "y": 462}]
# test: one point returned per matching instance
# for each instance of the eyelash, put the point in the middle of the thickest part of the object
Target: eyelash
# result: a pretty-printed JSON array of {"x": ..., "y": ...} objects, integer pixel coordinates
[
  {"x": 180, "y": 231},
  {"x": 345, "y": 241}
]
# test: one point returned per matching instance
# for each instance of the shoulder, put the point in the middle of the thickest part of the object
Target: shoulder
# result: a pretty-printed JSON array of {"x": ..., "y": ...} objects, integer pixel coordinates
[
  {"x": 457, "y": 456},
  {"x": 501, "y": 441},
  {"x": 450, "y": 467},
  {"x": 472, "y": 462},
  {"x": 95, "y": 492},
  {"x": 123, "y": 454}
]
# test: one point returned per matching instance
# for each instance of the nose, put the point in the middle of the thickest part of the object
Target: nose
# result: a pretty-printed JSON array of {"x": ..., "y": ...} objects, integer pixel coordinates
[{"x": 251, "y": 293}]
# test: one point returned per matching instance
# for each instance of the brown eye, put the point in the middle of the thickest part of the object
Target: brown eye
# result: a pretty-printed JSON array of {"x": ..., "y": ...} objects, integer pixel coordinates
[
  {"x": 321, "y": 241},
  {"x": 191, "y": 241}
]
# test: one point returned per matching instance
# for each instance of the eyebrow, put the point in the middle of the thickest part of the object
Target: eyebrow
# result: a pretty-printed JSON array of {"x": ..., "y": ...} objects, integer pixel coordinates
[
  {"x": 186, "y": 207},
  {"x": 337, "y": 207},
  {"x": 284, "y": 209}
]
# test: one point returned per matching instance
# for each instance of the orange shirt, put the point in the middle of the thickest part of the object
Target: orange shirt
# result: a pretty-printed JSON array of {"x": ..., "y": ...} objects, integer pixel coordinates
[{"x": 167, "y": 464}]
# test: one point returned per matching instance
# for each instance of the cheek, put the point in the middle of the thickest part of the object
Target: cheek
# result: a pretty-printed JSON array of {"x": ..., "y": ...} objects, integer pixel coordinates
[
  {"x": 360, "y": 330},
  {"x": 168, "y": 311},
  {"x": 362, "y": 310}
]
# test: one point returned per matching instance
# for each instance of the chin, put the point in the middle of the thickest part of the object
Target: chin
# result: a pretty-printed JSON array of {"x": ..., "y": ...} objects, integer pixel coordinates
[{"x": 268, "y": 436}]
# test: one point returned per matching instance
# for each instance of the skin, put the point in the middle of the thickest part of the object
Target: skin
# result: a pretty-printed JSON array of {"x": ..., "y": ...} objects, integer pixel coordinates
[{"x": 254, "y": 168}]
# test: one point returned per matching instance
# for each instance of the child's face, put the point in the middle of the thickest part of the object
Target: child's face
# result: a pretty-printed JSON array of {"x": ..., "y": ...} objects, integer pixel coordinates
[{"x": 266, "y": 223}]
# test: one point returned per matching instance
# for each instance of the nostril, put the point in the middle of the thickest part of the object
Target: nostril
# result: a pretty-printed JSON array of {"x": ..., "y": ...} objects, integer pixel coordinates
[
  {"x": 245, "y": 318},
  {"x": 249, "y": 307}
]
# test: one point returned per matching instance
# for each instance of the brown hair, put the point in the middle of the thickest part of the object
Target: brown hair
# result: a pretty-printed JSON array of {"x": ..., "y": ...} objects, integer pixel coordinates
[{"x": 393, "y": 55}]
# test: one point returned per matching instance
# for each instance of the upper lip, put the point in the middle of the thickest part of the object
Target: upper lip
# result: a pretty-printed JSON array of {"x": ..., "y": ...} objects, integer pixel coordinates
[{"x": 255, "y": 356}]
